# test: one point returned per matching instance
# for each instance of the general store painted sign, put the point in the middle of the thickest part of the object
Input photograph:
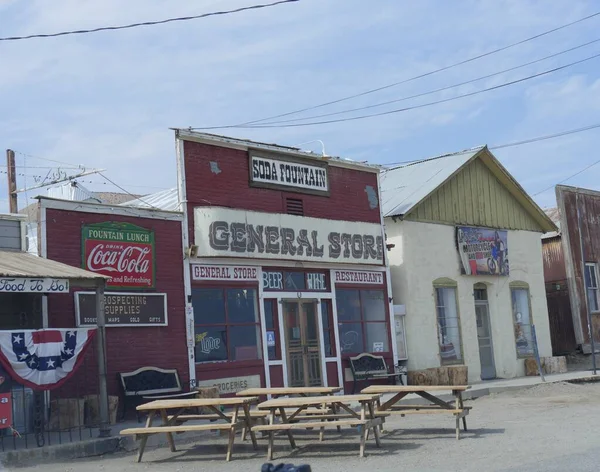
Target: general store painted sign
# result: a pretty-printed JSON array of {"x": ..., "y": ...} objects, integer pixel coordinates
[
  {"x": 266, "y": 171},
  {"x": 239, "y": 233},
  {"x": 123, "y": 309},
  {"x": 28, "y": 285},
  {"x": 482, "y": 251},
  {"x": 121, "y": 251}
]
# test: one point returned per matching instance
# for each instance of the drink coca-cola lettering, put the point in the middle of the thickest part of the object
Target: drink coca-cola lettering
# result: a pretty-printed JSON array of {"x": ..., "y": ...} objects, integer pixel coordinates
[{"x": 122, "y": 251}]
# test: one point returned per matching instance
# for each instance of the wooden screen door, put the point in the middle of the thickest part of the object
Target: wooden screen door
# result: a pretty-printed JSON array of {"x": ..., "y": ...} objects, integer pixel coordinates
[{"x": 302, "y": 338}]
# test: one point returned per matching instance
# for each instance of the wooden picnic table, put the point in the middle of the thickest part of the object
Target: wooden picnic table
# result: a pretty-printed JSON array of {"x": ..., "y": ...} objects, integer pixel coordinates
[
  {"x": 288, "y": 391},
  {"x": 174, "y": 423},
  {"x": 337, "y": 413},
  {"x": 437, "y": 405}
]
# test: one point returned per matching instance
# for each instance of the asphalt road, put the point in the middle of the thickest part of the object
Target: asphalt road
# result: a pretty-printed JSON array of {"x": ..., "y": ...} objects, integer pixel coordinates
[{"x": 545, "y": 428}]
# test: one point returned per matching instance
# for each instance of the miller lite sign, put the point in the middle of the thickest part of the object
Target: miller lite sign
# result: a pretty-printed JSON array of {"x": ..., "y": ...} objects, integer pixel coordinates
[{"x": 122, "y": 251}]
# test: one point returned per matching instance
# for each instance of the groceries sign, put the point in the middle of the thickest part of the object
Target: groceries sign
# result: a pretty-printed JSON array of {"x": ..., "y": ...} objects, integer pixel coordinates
[{"x": 122, "y": 251}]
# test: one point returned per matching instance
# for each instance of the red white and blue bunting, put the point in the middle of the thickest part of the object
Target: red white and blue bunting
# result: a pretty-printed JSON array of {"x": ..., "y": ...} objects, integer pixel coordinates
[{"x": 43, "y": 359}]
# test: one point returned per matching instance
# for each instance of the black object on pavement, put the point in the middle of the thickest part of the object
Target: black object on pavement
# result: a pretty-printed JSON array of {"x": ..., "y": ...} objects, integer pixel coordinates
[{"x": 285, "y": 468}]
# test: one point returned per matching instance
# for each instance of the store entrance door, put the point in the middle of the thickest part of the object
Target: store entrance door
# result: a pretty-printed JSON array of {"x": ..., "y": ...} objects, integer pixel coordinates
[{"x": 302, "y": 342}]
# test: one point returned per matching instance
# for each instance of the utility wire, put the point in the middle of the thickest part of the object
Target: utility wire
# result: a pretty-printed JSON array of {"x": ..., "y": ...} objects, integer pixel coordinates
[
  {"x": 568, "y": 178},
  {"x": 146, "y": 23},
  {"x": 420, "y": 76},
  {"x": 423, "y": 105},
  {"x": 518, "y": 143},
  {"x": 449, "y": 87},
  {"x": 128, "y": 192}
]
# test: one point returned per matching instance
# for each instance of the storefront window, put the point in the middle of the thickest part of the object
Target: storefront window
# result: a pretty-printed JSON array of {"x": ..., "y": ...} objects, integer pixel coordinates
[
  {"x": 226, "y": 324},
  {"x": 328, "y": 329},
  {"x": 362, "y": 321},
  {"x": 272, "y": 328},
  {"x": 522, "y": 320},
  {"x": 448, "y": 325}
]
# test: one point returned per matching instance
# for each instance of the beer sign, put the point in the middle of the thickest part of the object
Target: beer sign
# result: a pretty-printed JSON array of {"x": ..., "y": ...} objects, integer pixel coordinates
[{"x": 122, "y": 251}]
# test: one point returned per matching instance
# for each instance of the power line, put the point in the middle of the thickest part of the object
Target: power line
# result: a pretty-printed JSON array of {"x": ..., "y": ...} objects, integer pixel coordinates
[
  {"x": 136, "y": 197},
  {"x": 520, "y": 143},
  {"x": 437, "y": 102},
  {"x": 568, "y": 178},
  {"x": 146, "y": 23},
  {"x": 449, "y": 87},
  {"x": 49, "y": 160},
  {"x": 420, "y": 76}
]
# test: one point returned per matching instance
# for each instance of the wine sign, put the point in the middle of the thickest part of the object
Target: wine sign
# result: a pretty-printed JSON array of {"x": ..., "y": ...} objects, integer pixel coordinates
[{"x": 122, "y": 251}]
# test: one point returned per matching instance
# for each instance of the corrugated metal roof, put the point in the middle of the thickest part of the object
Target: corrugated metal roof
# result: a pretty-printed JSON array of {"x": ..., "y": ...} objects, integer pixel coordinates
[
  {"x": 21, "y": 264},
  {"x": 402, "y": 188},
  {"x": 554, "y": 215},
  {"x": 167, "y": 200}
]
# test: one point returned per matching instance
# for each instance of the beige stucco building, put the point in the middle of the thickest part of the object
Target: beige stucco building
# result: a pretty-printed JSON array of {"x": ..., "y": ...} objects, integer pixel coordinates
[{"x": 466, "y": 265}]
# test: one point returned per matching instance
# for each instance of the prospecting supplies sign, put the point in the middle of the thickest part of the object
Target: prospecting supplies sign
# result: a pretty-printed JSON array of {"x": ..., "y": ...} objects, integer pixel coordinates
[
  {"x": 121, "y": 251},
  {"x": 482, "y": 251}
]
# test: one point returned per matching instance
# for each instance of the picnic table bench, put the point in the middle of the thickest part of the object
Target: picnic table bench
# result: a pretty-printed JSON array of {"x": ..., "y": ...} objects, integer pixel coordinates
[
  {"x": 436, "y": 405},
  {"x": 174, "y": 423},
  {"x": 367, "y": 418}
]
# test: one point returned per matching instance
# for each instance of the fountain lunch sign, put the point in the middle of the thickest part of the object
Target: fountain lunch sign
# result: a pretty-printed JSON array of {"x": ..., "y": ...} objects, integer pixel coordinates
[
  {"x": 222, "y": 232},
  {"x": 122, "y": 251}
]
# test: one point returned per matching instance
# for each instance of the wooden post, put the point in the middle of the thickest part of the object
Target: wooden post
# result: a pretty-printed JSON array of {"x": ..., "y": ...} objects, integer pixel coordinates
[
  {"x": 11, "y": 171},
  {"x": 101, "y": 323}
]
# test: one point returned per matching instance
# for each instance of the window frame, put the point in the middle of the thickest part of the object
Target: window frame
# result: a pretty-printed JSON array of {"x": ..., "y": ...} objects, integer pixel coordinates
[
  {"x": 197, "y": 326},
  {"x": 518, "y": 285},
  {"x": 447, "y": 283},
  {"x": 363, "y": 322},
  {"x": 594, "y": 266},
  {"x": 330, "y": 330},
  {"x": 275, "y": 312}
]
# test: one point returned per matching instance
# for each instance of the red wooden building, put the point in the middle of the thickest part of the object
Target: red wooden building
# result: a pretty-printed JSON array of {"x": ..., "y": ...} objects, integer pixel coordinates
[{"x": 286, "y": 268}]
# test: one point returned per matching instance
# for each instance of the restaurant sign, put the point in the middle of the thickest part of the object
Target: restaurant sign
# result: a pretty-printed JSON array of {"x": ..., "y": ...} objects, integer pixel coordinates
[
  {"x": 482, "y": 251},
  {"x": 238, "y": 233},
  {"x": 224, "y": 272},
  {"x": 122, "y": 251},
  {"x": 33, "y": 285},
  {"x": 357, "y": 277},
  {"x": 270, "y": 172},
  {"x": 123, "y": 309}
]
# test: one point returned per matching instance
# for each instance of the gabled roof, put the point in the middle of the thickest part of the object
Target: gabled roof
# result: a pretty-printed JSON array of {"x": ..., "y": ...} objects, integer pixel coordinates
[
  {"x": 167, "y": 200},
  {"x": 404, "y": 188},
  {"x": 554, "y": 215}
]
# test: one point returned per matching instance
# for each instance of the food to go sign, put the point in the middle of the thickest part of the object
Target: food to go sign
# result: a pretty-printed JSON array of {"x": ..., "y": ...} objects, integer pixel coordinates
[{"x": 122, "y": 251}]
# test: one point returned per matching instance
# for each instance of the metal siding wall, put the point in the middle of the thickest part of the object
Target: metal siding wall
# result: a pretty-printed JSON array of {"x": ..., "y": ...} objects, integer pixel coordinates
[
  {"x": 10, "y": 234},
  {"x": 475, "y": 197}
]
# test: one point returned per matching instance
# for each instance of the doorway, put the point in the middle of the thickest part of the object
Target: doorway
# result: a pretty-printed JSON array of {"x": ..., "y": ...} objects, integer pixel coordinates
[
  {"x": 302, "y": 342},
  {"x": 484, "y": 333}
]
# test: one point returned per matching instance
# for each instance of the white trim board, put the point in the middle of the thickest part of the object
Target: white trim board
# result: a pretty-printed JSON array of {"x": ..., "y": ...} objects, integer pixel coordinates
[{"x": 98, "y": 208}]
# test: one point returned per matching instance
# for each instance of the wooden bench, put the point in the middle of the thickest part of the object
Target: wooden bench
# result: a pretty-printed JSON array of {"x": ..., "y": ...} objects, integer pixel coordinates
[
  {"x": 367, "y": 366},
  {"x": 151, "y": 383}
]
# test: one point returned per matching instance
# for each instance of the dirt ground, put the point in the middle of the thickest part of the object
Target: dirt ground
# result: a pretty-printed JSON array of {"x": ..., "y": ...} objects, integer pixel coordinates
[{"x": 550, "y": 427}]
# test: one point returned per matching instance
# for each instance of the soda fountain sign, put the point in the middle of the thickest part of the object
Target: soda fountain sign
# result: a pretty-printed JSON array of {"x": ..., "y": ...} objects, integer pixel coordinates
[{"x": 122, "y": 251}]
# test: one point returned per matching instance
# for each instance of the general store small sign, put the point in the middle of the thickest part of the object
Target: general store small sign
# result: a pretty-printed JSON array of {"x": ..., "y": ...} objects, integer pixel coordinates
[
  {"x": 123, "y": 309},
  {"x": 121, "y": 251},
  {"x": 224, "y": 272},
  {"x": 29, "y": 285},
  {"x": 285, "y": 173}
]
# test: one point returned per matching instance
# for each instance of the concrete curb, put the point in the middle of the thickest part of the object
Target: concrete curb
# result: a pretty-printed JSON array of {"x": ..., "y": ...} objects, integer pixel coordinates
[{"x": 62, "y": 452}]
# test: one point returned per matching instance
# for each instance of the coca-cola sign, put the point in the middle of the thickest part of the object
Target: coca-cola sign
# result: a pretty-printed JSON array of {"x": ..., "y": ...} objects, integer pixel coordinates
[{"x": 122, "y": 251}]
